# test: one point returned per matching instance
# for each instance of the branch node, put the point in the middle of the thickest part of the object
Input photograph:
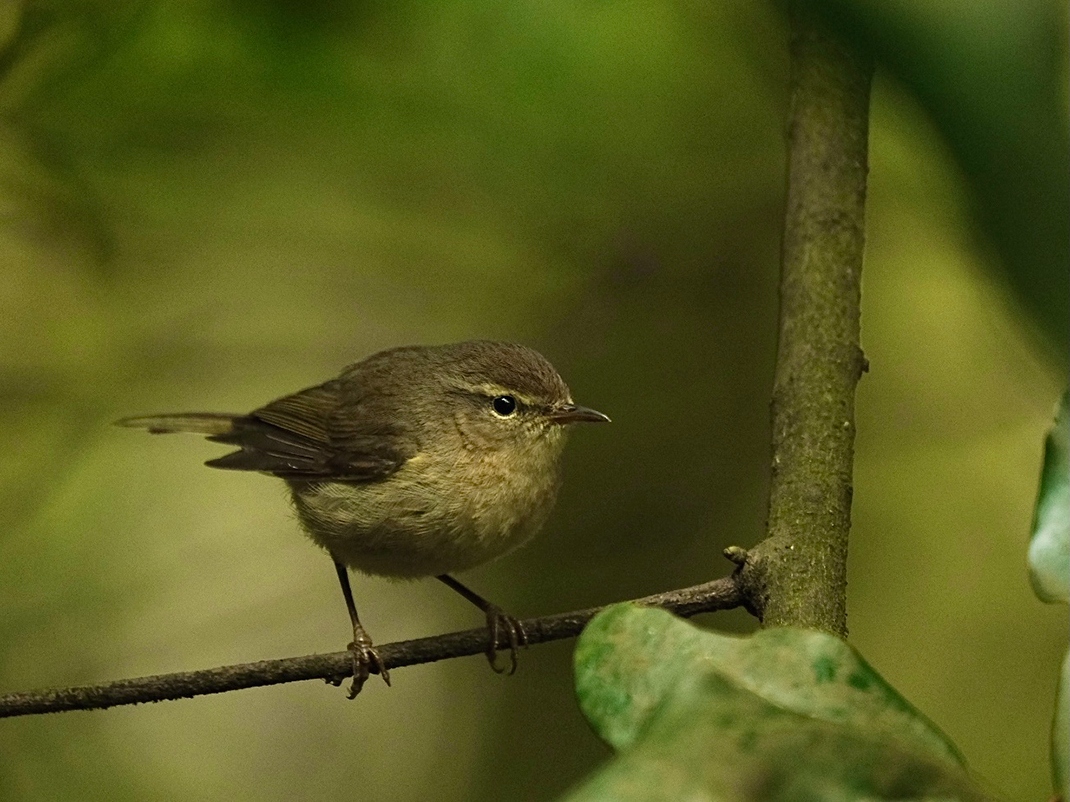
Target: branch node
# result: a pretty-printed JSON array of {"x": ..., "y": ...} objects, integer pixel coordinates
[{"x": 737, "y": 555}]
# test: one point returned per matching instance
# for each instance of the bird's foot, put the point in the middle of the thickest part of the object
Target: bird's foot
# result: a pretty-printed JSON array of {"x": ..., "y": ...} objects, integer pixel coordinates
[
  {"x": 499, "y": 623},
  {"x": 366, "y": 661}
]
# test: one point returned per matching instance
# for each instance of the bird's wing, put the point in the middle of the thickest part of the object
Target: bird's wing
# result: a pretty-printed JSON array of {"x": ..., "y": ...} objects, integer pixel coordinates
[{"x": 296, "y": 437}]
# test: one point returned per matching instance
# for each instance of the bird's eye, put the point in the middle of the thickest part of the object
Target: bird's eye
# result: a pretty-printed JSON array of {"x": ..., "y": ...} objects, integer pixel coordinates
[{"x": 504, "y": 405}]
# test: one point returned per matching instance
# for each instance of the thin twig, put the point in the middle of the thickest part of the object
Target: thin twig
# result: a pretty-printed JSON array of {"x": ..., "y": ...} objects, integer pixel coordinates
[{"x": 720, "y": 594}]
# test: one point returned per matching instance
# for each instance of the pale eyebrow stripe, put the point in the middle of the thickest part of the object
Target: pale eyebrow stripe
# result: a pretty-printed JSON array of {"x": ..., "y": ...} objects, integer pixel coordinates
[{"x": 491, "y": 390}]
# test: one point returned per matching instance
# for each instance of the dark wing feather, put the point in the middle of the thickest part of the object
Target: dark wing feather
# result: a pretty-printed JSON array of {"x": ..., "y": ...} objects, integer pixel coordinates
[
  {"x": 294, "y": 438},
  {"x": 305, "y": 413}
]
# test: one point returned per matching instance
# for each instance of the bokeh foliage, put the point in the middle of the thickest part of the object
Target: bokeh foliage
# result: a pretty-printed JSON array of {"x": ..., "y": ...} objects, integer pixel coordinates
[{"x": 208, "y": 204}]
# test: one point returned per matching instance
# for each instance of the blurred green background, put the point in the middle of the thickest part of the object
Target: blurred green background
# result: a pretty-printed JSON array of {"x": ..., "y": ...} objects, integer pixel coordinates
[{"x": 205, "y": 205}]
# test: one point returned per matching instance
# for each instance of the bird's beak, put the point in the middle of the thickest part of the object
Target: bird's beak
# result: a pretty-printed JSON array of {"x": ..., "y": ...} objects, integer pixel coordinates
[{"x": 570, "y": 413}]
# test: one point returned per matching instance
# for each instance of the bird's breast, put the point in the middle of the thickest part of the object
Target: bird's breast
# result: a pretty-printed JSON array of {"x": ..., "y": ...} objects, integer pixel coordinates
[{"x": 433, "y": 515}]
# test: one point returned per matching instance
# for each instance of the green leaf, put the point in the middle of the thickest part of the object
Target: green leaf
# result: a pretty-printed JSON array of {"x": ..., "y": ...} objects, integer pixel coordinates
[
  {"x": 1049, "y": 569},
  {"x": 782, "y": 714},
  {"x": 1060, "y": 734},
  {"x": 1049, "y": 550}
]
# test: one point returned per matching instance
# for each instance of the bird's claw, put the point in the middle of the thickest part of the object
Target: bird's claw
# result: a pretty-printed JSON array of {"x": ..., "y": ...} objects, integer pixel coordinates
[
  {"x": 366, "y": 661},
  {"x": 498, "y": 622}
]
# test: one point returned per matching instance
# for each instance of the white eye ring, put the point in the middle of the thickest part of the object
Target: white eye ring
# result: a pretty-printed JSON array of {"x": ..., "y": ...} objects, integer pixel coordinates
[{"x": 504, "y": 406}]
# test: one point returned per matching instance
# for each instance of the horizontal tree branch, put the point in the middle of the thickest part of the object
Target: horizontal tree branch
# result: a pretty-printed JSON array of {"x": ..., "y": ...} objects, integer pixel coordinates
[{"x": 720, "y": 594}]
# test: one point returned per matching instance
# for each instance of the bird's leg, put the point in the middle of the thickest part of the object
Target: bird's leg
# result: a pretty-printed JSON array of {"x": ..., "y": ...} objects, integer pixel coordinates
[
  {"x": 365, "y": 656},
  {"x": 497, "y": 620}
]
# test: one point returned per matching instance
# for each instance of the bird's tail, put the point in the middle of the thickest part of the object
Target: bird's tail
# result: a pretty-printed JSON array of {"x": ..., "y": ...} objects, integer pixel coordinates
[{"x": 206, "y": 423}]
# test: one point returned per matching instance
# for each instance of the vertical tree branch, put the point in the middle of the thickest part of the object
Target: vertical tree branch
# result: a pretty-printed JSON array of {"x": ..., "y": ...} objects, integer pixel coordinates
[{"x": 799, "y": 573}]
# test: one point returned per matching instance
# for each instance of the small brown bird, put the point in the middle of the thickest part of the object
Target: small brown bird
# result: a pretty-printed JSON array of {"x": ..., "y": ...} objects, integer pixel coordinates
[{"x": 418, "y": 461}]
